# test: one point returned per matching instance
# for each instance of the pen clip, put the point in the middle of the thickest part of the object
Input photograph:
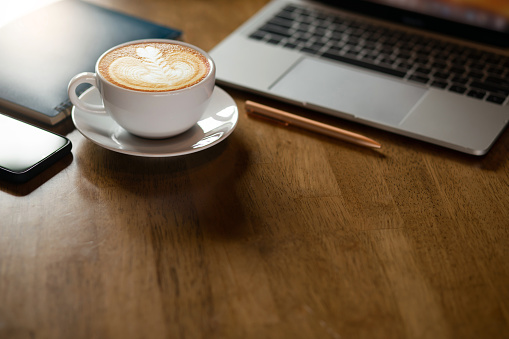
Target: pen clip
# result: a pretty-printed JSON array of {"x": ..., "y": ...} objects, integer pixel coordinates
[{"x": 264, "y": 117}]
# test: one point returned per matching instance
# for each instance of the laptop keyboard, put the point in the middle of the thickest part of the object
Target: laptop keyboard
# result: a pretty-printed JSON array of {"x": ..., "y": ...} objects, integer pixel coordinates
[{"x": 415, "y": 58}]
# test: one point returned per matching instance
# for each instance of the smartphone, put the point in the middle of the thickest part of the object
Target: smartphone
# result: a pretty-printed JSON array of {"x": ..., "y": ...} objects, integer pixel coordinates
[{"x": 27, "y": 150}]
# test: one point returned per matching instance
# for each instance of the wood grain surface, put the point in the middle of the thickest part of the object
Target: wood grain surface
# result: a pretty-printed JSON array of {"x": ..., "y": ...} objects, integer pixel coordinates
[{"x": 273, "y": 233}]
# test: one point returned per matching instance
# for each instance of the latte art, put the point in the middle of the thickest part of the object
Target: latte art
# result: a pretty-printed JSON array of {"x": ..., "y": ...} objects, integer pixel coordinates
[{"x": 154, "y": 67}]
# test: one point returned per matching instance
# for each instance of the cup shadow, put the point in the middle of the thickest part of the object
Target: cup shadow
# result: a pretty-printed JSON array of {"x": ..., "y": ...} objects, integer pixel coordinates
[{"x": 196, "y": 191}]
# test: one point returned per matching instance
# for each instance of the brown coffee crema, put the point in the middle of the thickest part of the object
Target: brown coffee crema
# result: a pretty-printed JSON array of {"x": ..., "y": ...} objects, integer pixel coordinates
[{"x": 154, "y": 66}]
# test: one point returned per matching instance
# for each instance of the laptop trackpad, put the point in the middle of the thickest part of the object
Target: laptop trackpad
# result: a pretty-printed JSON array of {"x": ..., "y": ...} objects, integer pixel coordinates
[{"x": 355, "y": 92}]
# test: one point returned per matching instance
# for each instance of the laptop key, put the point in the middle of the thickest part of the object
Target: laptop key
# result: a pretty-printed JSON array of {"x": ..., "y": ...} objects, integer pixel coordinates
[
  {"x": 352, "y": 54},
  {"x": 458, "y": 89},
  {"x": 504, "y": 91},
  {"x": 460, "y": 80},
  {"x": 275, "y": 40},
  {"x": 258, "y": 35},
  {"x": 497, "y": 81},
  {"x": 303, "y": 27},
  {"x": 439, "y": 84},
  {"x": 477, "y": 66},
  {"x": 475, "y": 75},
  {"x": 476, "y": 94},
  {"x": 285, "y": 15},
  {"x": 457, "y": 70},
  {"x": 423, "y": 70},
  {"x": 370, "y": 58},
  {"x": 311, "y": 49},
  {"x": 419, "y": 78},
  {"x": 405, "y": 65},
  {"x": 364, "y": 64},
  {"x": 496, "y": 99},
  {"x": 495, "y": 70},
  {"x": 439, "y": 65},
  {"x": 290, "y": 45},
  {"x": 441, "y": 75},
  {"x": 284, "y": 23},
  {"x": 276, "y": 30}
]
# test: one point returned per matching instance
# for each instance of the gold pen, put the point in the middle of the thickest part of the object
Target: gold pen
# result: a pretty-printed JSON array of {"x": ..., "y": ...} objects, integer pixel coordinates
[{"x": 287, "y": 119}]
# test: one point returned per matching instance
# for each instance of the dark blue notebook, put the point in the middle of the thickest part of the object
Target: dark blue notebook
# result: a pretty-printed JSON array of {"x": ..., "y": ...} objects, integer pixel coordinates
[{"x": 41, "y": 51}]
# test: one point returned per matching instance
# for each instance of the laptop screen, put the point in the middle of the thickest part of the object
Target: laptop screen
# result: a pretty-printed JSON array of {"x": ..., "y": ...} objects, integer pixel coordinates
[{"x": 484, "y": 21}]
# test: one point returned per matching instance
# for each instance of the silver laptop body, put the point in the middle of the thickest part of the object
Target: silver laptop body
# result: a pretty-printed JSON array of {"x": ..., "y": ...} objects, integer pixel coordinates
[{"x": 468, "y": 120}]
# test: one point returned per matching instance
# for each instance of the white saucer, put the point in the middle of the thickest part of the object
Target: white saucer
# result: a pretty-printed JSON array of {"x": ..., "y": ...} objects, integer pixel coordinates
[{"x": 216, "y": 124}]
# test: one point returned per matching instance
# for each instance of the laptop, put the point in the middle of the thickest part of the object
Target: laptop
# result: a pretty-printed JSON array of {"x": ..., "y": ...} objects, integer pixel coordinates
[{"x": 433, "y": 70}]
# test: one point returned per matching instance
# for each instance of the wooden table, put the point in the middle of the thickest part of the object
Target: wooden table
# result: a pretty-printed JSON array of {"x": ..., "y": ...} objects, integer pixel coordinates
[{"x": 274, "y": 233}]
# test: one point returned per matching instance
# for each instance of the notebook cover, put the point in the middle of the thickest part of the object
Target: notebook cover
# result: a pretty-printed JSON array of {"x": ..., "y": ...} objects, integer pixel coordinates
[{"x": 43, "y": 50}]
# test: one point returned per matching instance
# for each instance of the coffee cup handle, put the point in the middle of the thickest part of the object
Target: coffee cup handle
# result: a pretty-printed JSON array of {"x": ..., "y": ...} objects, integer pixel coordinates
[{"x": 82, "y": 78}]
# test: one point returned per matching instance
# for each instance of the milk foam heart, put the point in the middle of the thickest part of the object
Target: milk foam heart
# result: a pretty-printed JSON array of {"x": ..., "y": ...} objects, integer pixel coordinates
[{"x": 154, "y": 66}]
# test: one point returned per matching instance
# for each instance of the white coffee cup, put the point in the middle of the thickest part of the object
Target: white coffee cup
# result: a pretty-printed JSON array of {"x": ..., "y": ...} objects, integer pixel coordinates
[{"x": 147, "y": 113}]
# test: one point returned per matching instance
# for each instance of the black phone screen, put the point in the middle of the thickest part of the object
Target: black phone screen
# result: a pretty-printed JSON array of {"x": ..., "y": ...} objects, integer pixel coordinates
[{"x": 26, "y": 150}]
